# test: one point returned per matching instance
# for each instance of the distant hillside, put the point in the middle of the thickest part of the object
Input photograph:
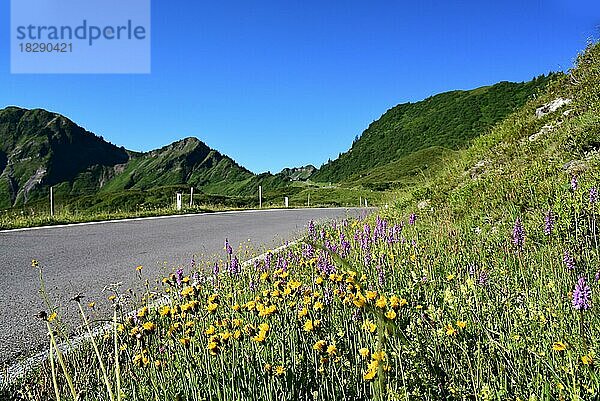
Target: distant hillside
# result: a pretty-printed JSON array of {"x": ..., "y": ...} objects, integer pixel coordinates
[
  {"x": 447, "y": 120},
  {"x": 298, "y": 173},
  {"x": 39, "y": 149}
]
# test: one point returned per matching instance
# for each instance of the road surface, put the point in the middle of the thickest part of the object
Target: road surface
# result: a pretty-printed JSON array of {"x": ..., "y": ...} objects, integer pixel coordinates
[{"x": 84, "y": 258}]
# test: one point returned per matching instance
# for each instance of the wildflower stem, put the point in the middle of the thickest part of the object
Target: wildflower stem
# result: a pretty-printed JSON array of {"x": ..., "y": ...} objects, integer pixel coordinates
[
  {"x": 102, "y": 367},
  {"x": 53, "y": 371},
  {"x": 117, "y": 365},
  {"x": 62, "y": 362}
]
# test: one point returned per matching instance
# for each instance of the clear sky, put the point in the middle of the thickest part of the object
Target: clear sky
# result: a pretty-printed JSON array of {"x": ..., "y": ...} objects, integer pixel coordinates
[{"x": 285, "y": 83}]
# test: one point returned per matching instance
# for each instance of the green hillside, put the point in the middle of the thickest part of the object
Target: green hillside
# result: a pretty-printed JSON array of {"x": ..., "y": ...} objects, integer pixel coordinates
[
  {"x": 449, "y": 120},
  {"x": 39, "y": 148}
]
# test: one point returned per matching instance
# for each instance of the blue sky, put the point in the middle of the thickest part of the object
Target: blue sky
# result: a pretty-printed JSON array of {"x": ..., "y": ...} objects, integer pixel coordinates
[{"x": 285, "y": 83}]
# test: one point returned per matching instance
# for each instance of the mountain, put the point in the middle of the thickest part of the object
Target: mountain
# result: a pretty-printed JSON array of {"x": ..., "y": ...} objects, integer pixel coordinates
[
  {"x": 39, "y": 149},
  {"x": 298, "y": 173},
  {"x": 445, "y": 121}
]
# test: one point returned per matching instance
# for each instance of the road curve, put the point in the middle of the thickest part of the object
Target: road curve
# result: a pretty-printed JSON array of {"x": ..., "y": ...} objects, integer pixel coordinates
[{"x": 83, "y": 258}]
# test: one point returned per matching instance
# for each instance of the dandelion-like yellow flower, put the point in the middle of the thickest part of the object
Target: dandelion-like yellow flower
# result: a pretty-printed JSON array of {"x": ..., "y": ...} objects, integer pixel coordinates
[
  {"x": 461, "y": 324},
  {"x": 164, "y": 311},
  {"x": 319, "y": 345},
  {"x": 211, "y": 307},
  {"x": 52, "y": 316},
  {"x": 559, "y": 346},
  {"x": 279, "y": 370},
  {"x": 210, "y": 331},
  {"x": 364, "y": 352},
  {"x": 369, "y": 326},
  {"x": 188, "y": 291},
  {"x": 308, "y": 325},
  {"x": 149, "y": 326},
  {"x": 142, "y": 312},
  {"x": 450, "y": 330},
  {"x": 371, "y": 295},
  {"x": 587, "y": 360},
  {"x": 332, "y": 349},
  {"x": 381, "y": 302},
  {"x": 185, "y": 341},
  {"x": 390, "y": 314},
  {"x": 139, "y": 268},
  {"x": 318, "y": 305}
]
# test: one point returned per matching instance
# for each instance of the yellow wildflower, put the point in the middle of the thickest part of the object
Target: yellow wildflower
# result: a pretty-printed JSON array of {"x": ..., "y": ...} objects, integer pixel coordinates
[
  {"x": 381, "y": 302},
  {"x": 52, "y": 316},
  {"x": 142, "y": 312},
  {"x": 332, "y": 349},
  {"x": 461, "y": 324},
  {"x": 587, "y": 359},
  {"x": 364, "y": 352},
  {"x": 559, "y": 346},
  {"x": 450, "y": 331},
  {"x": 279, "y": 370},
  {"x": 164, "y": 311},
  {"x": 390, "y": 314},
  {"x": 319, "y": 345},
  {"x": 149, "y": 326},
  {"x": 369, "y": 326},
  {"x": 210, "y": 331}
]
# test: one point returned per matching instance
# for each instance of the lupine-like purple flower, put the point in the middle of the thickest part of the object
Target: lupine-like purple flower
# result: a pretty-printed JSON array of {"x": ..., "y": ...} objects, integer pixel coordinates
[
  {"x": 234, "y": 267},
  {"x": 574, "y": 183},
  {"x": 192, "y": 264},
  {"x": 582, "y": 295},
  {"x": 597, "y": 276},
  {"x": 569, "y": 261},
  {"x": 216, "y": 269},
  {"x": 593, "y": 195},
  {"x": 412, "y": 219},
  {"x": 483, "y": 278},
  {"x": 228, "y": 247},
  {"x": 549, "y": 223},
  {"x": 179, "y": 275},
  {"x": 311, "y": 229},
  {"x": 518, "y": 234}
]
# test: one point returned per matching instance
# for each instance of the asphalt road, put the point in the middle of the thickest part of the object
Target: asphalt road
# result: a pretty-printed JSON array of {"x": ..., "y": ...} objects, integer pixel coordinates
[{"x": 85, "y": 258}]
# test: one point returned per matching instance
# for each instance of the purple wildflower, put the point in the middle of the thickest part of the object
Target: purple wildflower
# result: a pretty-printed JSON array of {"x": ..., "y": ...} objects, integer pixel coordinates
[
  {"x": 574, "y": 184},
  {"x": 252, "y": 286},
  {"x": 597, "y": 276},
  {"x": 412, "y": 219},
  {"x": 192, "y": 264},
  {"x": 593, "y": 195},
  {"x": 179, "y": 276},
  {"x": 582, "y": 295},
  {"x": 216, "y": 269},
  {"x": 234, "y": 268},
  {"x": 483, "y": 278},
  {"x": 518, "y": 234},
  {"x": 311, "y": 229},
  {"x": 228, "y": 247},
  {"x": 569, "y": 261},
  {"x": 549, "y": 223}
]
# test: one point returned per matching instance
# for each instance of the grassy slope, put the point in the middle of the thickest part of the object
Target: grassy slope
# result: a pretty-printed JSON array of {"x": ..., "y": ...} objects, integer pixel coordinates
[{"x": 448, "y": 120}]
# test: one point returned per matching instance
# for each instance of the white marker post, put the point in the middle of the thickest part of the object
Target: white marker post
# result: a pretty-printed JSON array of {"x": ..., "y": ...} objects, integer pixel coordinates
[
  {"x": 360, "y": 202},
  {"x": 191, "y": 196},
  {"x": 366, "y": 204},
  {"x": 260, "y": 196},
  {"x": 286, "y": 201},
  {"x": 52, "y": 201},
  {"x": 309, "y": 199},
  {"x": 178, "y": 200}
]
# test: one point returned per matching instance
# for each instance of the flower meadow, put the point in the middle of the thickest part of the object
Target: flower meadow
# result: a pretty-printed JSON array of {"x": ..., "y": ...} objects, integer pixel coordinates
[
  {"x": 480, "y": 283},
  {"x": 380, "y": 308}
]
